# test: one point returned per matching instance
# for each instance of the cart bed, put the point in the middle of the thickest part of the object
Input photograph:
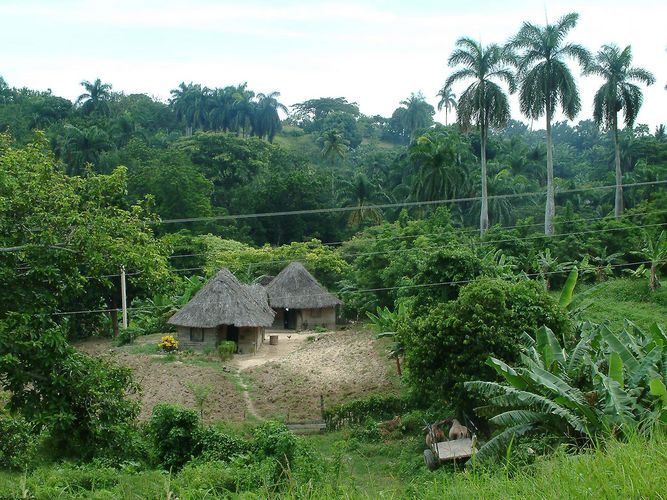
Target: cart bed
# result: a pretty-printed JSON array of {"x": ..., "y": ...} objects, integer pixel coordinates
[{"x": 450, "y": 450}]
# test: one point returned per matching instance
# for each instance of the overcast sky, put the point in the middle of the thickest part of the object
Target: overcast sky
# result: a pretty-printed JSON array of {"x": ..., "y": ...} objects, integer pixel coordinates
[{"x": 373, "y": 52}]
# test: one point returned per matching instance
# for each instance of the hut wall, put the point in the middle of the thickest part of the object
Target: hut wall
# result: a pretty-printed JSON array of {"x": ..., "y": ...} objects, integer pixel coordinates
[
  {"x": 311, "y": 318},
  {"x": 250, "y": 339},
  {"x": 188, "y": 337}
]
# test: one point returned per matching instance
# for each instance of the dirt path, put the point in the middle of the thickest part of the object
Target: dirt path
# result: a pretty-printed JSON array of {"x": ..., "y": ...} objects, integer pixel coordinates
[
  {"x": 287, "y": 379},
  {"x": 250, "y": 406},
  {"x": 287, "y": 343}
]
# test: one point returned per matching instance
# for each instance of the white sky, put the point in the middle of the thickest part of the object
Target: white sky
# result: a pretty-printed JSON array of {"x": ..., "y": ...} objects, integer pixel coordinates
[{"x": 370, "y": 51}]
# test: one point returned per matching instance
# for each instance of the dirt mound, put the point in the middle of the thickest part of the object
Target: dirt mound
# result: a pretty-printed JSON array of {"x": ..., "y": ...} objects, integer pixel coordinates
[
  {"x": 167, "y": 382},
  {"x": 339, "y": 366}
]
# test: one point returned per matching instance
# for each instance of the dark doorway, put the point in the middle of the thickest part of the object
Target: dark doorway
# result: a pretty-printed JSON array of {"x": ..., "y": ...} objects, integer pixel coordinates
[
  {"x": 289, "y": 319},
  {"x": 233, "y": 333}
]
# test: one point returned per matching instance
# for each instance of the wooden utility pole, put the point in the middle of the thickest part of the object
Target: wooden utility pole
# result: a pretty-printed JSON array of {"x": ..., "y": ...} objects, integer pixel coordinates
[{"x": 123, "y": 295}]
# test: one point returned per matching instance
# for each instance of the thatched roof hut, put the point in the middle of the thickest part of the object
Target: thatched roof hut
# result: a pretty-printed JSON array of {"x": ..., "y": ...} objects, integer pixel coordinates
[
  {"x": 296, "y": 288},
  {"x": 225, "y": 301}
]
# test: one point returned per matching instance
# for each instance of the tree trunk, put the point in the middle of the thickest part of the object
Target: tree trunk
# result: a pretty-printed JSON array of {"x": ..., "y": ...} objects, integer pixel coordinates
[
  {"x": 653, "y": 278},
  {"x": 445, "y": 116},
  {"x": 550, "y": 209},
  {"x": 484, "y": 213},
  {"x": 398, "y": 365},
  {"x": 618, "y": 201}
]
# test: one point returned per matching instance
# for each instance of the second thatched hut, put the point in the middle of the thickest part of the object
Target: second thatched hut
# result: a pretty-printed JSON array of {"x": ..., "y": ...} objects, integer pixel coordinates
[
  {"x": 224, "y": 309},
  {"x": 299, "y": 301}
]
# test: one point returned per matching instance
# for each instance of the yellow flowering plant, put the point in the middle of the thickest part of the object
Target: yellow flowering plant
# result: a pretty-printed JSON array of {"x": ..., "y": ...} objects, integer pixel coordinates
[{"x": 168, "y": 343}]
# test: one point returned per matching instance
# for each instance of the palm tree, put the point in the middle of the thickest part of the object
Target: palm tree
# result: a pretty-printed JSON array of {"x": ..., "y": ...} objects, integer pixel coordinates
[
  {"x": 440, "y": 173},
  {"x": 483, "y": 102},
  {"x": 418, "y": 113},
  {"x": 546, "y": 81},
  {"x": 187, "y": 102},
  {"x": 266, "y": 121},
  {"x": 617, "y": 93},
  {"x": 242, "y": 108},
  {"x": 96, "y": 97},
  {"x": 334, "y": 145},
  {"x": 447, "y": 101},
  {"x": 361, "y": 192}
]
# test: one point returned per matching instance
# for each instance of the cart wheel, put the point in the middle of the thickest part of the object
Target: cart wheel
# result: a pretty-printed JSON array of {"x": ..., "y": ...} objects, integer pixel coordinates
[{"x": 430, "y": 460}]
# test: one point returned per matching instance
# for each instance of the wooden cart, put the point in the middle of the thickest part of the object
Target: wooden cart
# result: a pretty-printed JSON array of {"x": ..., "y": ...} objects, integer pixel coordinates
[{"x": 445, "y": 451}]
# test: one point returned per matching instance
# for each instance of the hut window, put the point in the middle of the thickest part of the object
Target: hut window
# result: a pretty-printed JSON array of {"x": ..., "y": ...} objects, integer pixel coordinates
[
  {"x": 196, "y": 334},
  {"x": 315, "y": 313}
]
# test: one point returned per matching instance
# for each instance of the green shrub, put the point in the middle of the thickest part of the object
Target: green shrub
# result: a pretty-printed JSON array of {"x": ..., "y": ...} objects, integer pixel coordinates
[
  {"x": 379, "y": 407},
  {"x": 174, "y": 433},
  {"x": 226, "y": 349},
  {"x": 450, "y": 345},
  {"x": 127, "y": 335},
  {"x": 216, "y": 445},
  {"x": 221, "y": 479},
  {"x": 274, "y": 439},
  {"x": 17, "y": 443},
  {"x": 369, "y": 431}
]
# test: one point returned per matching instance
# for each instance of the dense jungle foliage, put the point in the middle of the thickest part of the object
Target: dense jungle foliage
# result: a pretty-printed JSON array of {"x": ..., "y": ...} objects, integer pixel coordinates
[{"x": 455, "y": 241}]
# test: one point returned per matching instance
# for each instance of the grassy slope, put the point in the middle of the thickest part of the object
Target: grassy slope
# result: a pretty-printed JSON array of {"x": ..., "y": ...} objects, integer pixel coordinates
[
  {"x": 630, "y": 470},
  {"x": 619, "y": 299}
]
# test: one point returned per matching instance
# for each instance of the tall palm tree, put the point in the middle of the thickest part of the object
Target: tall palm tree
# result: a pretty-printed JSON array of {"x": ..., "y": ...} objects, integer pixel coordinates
[
  {"x": 546, "y": 82},
  {"x": 360, "y": 195},
  {"x": 188, "y": 103},
  {"x": 483, "y": 102},
  {"x": 418, "y": 113},
  {"x": 96, "y": 97},
  {"x": 242, "y": 108},
  {"x": 617, "y": 93},
  {"x": 440, "y": 171},
  {"x": 447, "y": 101},
  {"x": 334, "y": 145},
  {"x": 266, "y": 121}
]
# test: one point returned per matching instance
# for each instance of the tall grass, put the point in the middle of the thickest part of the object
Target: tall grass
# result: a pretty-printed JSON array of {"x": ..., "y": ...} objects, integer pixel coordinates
[{"x": 635, "y": 469}]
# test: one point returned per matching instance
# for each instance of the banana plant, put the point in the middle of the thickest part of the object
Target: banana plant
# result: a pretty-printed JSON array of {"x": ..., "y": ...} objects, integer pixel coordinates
[
  {"x": 607, "y": 384},
  {"x": 385, "y": 322}
]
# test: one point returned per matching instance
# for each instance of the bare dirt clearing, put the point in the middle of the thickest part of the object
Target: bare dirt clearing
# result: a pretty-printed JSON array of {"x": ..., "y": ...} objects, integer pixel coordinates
[
  {"x": 163, "y": 381},
  {"x": 340, "y": 366},
  {"x": 286, "y": 379}
]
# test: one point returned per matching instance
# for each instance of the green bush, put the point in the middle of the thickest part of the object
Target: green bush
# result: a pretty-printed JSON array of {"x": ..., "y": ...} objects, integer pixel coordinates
[
  {"x": 450, "y": 345},
  {"x": 17, "y": 443},
  {"x": 274, "y": 439},
  {"x": 174, "y": 433},
  {"x": 218, "y": 446},
  {"x": 376, "y": 406},
  {"x": 226, "y": 349},
  {"x": 217, "y": 479},
  {"x": 127, "y": 335},
  {"x": 368, "y": 431}
]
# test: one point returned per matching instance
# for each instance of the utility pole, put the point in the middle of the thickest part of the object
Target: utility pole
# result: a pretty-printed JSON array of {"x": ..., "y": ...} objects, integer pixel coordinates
[{"x": 123, "y": 295}]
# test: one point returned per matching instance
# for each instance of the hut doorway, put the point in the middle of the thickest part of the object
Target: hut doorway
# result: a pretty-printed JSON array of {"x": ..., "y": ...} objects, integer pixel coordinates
[
  {"x": 289, "y": 319},
  {"x": 233, "y": 333}
]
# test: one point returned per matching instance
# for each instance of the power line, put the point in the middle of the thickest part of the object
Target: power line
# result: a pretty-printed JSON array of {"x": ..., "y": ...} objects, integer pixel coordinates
[
  {"x": 466, "y": 230},
  {"x": 366, "y": 290},
  {"x": 481, "y": 243},
  {"x": 391, "y": 205},
  {"x": 412, "y": 249}
]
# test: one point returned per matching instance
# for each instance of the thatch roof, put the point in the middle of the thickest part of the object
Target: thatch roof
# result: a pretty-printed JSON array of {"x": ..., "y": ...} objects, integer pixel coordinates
[
  {"x": 264, "y": 279},
  {"x": 225, "y": 301},
  {"x": 295, "y": 288}
]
